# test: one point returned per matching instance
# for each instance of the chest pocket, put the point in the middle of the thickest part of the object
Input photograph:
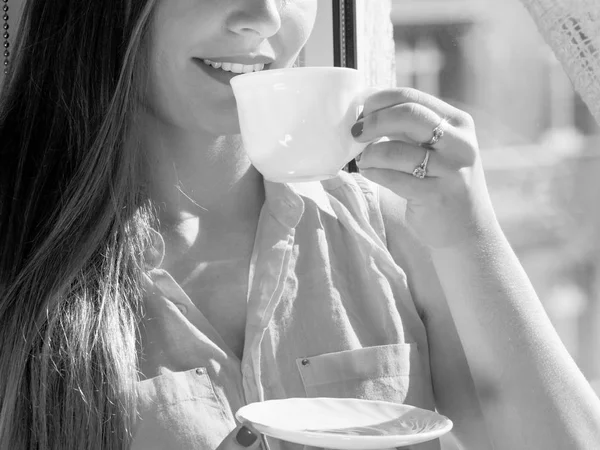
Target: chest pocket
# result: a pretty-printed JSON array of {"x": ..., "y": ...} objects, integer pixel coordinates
[
  {"x": 180, "y": 411},
  {"x": 386, "y": 372}
]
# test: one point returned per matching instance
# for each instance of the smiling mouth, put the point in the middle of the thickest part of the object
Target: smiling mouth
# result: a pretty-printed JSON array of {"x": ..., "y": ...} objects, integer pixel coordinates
[
  {"x": 225, "y": 71},
  {"x": 234, "y": 67}
]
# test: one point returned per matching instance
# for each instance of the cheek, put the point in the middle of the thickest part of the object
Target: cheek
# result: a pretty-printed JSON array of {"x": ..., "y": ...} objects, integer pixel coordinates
[
  {"x": 179, "y": 96},
  {"x": 298, "y": 21},
  {"x": 173, "y": 26},
  {"x": 170, "y": 74},
  {"x": 164, "y": 87},
  {"x": 308, "y": 10}
]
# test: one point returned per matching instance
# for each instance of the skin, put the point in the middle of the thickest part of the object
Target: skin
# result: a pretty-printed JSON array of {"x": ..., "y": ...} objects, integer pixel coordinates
[
  {"x": 191, "y": 119},
  {"x": 493, "y": 350},
  {"x": 492, "y": 346},
  {"x": 190, "y": 129}
]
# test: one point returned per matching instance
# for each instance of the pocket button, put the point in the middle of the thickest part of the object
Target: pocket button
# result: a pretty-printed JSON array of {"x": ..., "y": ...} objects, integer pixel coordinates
[{"x": 305, "y": 362}]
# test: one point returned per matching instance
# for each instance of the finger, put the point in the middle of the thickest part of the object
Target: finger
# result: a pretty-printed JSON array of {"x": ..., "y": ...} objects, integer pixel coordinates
[
  {"x": 400, "y": 156},
  {"x": 403, "y": 184},
  {"x": 390, "y": 97},
  {"x": 411, "y": 122},
  {"x": 243, "y": 437}
]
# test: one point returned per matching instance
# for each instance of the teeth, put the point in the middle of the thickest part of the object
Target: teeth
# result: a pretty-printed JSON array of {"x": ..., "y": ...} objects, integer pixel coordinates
[
  {"x": 216, "y": 65},
  {"x": 235, "y": 67}
]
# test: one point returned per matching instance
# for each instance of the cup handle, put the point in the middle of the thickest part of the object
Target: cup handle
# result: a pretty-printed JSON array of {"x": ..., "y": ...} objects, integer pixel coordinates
[{"x": 358, "y": 105}]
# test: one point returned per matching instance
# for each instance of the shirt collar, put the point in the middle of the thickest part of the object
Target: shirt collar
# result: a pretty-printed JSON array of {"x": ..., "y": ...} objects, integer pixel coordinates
[{"x": 285, "y": 201}]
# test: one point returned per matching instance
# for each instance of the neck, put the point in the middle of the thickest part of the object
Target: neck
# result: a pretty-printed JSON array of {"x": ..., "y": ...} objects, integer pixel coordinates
[{"x": 201, "y": 175}]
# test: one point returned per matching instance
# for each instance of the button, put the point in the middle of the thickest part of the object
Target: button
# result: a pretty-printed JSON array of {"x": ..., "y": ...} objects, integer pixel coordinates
[
  {"x": 305, "y": 362},
  {"x": 181, "y": 308},
  {"x": 200, "y": 371}
]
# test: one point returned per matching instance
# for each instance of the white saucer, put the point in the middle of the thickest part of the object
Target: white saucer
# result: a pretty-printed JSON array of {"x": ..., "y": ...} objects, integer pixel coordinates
[{"x": 344, "y": 423}]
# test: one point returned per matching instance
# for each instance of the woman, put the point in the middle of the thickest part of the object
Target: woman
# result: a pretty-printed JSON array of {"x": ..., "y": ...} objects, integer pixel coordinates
[{"x": 147, "y": 268}]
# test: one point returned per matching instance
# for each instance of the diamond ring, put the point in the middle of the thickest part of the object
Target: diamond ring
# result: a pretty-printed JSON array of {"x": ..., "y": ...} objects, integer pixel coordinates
[{"x": 420, "y": 171}]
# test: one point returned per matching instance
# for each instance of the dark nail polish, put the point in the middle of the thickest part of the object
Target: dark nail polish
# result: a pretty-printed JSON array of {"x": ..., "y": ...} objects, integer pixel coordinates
[
  {"x": 357, "y": 129},
  {"x": 245, "y": 437}
]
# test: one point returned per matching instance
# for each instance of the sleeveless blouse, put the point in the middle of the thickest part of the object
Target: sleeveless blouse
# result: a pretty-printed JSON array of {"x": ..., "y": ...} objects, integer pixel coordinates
[{"x": 329, "y": 314}]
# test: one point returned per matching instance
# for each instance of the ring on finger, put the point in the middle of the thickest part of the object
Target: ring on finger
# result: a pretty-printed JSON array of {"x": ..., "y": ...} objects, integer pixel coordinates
[
  {"x": 420, "y": 171},
  {"x": 438, "y": 133}
]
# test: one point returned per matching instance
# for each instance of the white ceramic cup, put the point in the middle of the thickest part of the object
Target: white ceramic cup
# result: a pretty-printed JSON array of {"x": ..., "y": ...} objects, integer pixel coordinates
[{"x": 295, "y": 123}]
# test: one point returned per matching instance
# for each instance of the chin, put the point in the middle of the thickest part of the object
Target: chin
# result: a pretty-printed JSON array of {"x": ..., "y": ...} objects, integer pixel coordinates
[
  {"x": 223, "y": 118},
  {"x": 233, "y": 128},
  {"x": 224, "y": 124}
]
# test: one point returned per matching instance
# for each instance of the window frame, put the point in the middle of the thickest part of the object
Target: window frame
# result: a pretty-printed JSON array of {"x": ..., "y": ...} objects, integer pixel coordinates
[{"x": 333, "y": 42}]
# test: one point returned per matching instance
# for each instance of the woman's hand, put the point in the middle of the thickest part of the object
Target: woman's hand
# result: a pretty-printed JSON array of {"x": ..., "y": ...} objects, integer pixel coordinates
[{"x": 451, "y": 202}]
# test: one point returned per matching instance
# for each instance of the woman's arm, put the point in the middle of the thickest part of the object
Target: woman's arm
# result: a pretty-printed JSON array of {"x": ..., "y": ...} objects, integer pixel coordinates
[
  {"x": 493, "y": 350},
  {"x": 482, "y": 315},
  {"x": 453, "y": 385}
]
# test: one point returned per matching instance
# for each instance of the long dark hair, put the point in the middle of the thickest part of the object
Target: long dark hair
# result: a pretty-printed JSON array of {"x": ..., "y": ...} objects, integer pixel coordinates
[{"x": 74, "y": 221}]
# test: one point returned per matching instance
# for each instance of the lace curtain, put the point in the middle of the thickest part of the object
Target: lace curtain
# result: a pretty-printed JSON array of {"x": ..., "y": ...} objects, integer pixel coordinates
[{"x": 572, "y": 29}]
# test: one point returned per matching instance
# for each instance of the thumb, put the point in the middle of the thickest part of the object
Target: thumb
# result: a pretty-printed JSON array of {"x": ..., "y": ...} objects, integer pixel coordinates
[{"x": 242, "y": 438}]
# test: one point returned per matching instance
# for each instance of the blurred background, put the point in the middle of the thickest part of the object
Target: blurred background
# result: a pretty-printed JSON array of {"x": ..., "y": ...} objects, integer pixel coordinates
[{"x": 540, "y": 146}]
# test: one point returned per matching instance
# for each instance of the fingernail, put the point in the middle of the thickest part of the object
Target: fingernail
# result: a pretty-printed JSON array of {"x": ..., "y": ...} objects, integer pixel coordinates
[
  {"x": 245, "y": 437},
  {"x": 357, "y": 129}
]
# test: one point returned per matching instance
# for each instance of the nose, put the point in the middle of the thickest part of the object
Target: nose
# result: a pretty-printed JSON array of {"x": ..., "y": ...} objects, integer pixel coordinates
[{"x": 255, "y": 18}]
